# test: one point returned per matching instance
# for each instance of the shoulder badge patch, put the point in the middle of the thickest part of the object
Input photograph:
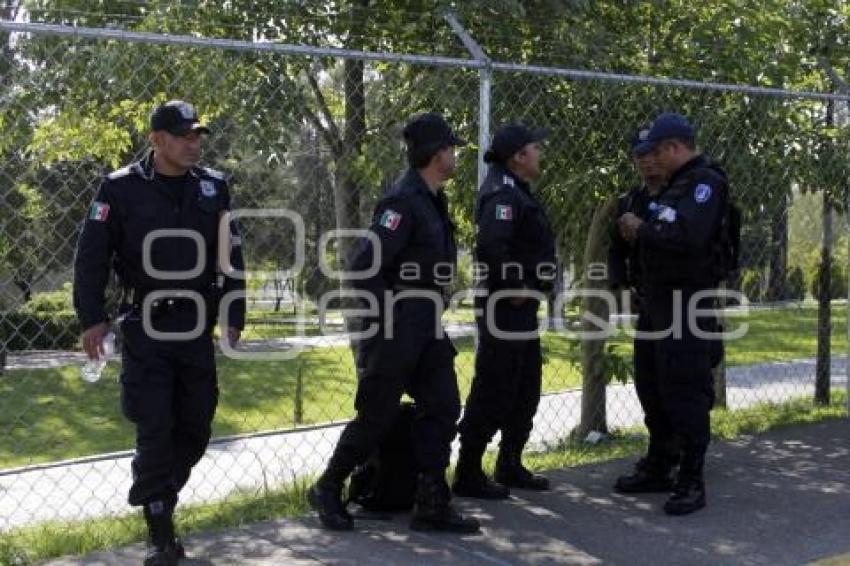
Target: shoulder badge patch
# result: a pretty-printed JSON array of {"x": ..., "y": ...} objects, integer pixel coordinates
[
  {"x": 117, "y": 174},
  {"x": 99, "y": 211},
  {"x": 390, "y": 219},
  {"x": 702, "y": 193},
  {"x": 504, "y": 212},
  {"x": 213, "y": 173},
  {"x": 208, "y": 188}
]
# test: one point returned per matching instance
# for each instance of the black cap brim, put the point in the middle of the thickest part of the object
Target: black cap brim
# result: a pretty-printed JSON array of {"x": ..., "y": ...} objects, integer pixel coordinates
[
  {"x": 187, "y": 127},
  {"x": 539, "y": 134},
  {"x": 457, "y": 142},
  {"x": 643, "y": 148}
]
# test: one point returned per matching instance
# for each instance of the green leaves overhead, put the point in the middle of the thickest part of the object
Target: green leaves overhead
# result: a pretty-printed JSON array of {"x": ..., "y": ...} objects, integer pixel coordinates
[{"x": 81, "y": 106}]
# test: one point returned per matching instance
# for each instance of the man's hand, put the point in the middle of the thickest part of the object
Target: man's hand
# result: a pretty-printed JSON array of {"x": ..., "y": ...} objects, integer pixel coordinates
[
  {"x": 629, "y": 225},
  {"x": 93, "y": 340},
  {"x": 233, "y": 335}
]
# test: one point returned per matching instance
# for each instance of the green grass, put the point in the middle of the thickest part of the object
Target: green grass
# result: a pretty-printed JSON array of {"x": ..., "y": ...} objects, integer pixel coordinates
[
  {"x": 54, "y": 539},
  {"x": 50, "y": 540},
  {"x": 725, "y": 425},
  {"x": 50, "y": 414},
  {"x": 774, "y": 335}
]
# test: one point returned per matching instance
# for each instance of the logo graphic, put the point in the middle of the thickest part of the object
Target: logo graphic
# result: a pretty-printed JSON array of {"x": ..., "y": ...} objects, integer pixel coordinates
[
  {"x": 667, "y": 214},
  {"x": 390, "y": 219},
  {"x": 702, "y": 193},
  {"x": 186, "y": 110},
  {"x": 208, "y": 188},
  {"x": 99, "y": 211},
  {"x": 504, "y": 212}
]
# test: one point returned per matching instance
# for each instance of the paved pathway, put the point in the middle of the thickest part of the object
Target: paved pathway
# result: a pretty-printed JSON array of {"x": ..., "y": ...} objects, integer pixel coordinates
[
  {"x": 96, "y": 487},
  {"x": 776, "y": 499}
]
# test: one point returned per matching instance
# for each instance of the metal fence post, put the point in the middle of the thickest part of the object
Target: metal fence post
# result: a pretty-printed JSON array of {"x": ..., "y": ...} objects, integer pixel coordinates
[
  {"x": 484, "y": 121},
  {"x": 847, "y": 307},
  {"x": 486, "y": 74}
]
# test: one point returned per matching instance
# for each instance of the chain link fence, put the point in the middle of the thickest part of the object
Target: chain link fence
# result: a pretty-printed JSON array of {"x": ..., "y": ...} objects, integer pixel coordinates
[{"x": 317, "y": 133}]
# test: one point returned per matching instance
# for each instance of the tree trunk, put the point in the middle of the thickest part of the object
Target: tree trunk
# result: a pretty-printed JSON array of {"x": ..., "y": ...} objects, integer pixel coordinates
[
  {"x": 8, "y": 11},
  {"x": 25, "y": 287},
  {"x": 779, "y": 255},
  {"x": 594, "y": 379},
  {"x": 347, "y": 189},
  {"x": 824, "y": 358},
  {"x": 552, "y": 297}
]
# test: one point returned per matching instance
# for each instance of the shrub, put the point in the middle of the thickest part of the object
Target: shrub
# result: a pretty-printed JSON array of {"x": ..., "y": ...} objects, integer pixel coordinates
[
  {"x": 45, "y": 322},
  {"x": 795, "y": 285},
  {"x": 42, "y": 331},
  {"x": 58, "y": 301},
  {"x": 837, "y": 282},
  {"x": 751, "y": 285}
]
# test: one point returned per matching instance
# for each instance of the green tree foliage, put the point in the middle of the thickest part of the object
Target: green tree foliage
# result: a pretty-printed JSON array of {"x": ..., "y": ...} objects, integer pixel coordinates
[{"x": 319, "y": 135}]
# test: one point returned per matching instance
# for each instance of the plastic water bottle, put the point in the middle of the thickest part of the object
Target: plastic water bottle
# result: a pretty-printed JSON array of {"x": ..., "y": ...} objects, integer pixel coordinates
[{"x": 93, "y": 369}]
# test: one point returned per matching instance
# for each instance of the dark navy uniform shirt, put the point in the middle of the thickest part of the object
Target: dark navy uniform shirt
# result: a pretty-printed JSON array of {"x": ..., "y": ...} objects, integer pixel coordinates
[
  {"x": 417, "y": 240},
  {"x": 677, "y": 243},
  {"x": 624, "y": 256},
  {"x": 130, "y": 204},
  {"x": 513, "y": 229}
]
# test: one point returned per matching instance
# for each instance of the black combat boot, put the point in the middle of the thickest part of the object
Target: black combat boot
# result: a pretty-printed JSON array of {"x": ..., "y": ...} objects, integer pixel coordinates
[
  {"x": 165, "y": 550},
  {"x": 652, "y": 474},
  {"x": 470, "y": 480},
  {"x": 689, "y": 490},
  {"x": 511, "y": 472},
  {"x": 326, "y": 500},
  {"x": 433, "y": 512}
]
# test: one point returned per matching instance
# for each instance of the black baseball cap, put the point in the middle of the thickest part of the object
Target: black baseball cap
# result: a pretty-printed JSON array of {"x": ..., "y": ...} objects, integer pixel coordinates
[
  {"x": 510, "y": 139},
  {"x": 178, "y": 118},
  {"x": 430, "y": 129},
  {"x": 666, "y": 126}
]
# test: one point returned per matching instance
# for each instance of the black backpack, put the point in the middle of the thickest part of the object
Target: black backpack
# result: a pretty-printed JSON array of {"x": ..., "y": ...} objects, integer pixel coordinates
[
  {"x": 387, "y": 481},
  {"x": 728, "y": 246}
]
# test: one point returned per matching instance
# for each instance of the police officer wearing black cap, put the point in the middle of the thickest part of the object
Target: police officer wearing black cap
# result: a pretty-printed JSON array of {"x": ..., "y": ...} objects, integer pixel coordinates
[
  {"x": 516, "y": 248},
  {"x": 678, "y": 261},
  {"x": 171, "y": 284},
  {"x": 652, "y": 473},
  {"x": 409, "y": 353}
]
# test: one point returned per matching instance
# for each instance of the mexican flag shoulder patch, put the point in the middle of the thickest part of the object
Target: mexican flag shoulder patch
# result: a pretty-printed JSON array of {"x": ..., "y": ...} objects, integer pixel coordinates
[
  {"x": 390, "y": 219},
  {"x": 99, "y": 211},
  {"x": 504, "y": 212}
]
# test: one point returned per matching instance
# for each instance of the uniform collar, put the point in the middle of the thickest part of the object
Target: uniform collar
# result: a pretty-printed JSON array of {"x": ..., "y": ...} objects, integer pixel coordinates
[
  {"x": 145, "y": 169},
  {"x": 501, "y": 170},
  {"x": 697, "y": 161},
  {"x": 414, "y": 179}
]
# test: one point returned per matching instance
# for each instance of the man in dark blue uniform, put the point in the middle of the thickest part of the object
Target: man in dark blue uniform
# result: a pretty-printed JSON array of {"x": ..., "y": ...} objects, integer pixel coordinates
[
  {"x": 168, "y": 384},
  {"x": 409, "y": 353},
  {"x": 516, "y": 245},
  {"x": 653, "y": 472},
  {"x": 678, "y": 255}
]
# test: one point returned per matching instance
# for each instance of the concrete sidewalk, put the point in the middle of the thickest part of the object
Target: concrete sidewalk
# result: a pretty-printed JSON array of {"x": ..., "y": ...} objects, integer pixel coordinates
[{"x": 778, "y": 498}]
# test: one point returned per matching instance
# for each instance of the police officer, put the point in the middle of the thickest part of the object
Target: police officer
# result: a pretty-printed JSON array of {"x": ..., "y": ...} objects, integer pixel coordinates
[
  {"x": 516, "y": 249},
  {"x": 652, "y": 473},
  {"x": 678, "y": 265},
  {"x": 409, "y": 353},
  {"x": 168, "y": 385}
]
